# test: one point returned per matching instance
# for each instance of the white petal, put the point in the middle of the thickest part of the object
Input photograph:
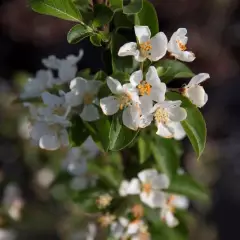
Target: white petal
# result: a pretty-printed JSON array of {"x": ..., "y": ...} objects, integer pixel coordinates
[
  {"x": 131, "y": 117},
  {"x": 158, "y": 94},
  {"x": 147, "y": 174},
  {"x": 142, "y": 33},
  {"x": 93, "y": 86},
  {"x": 146, "y": 104},
  {"x": 205, "y": 98},
  {"x": 145, "y": 120},
  {"x": 38, "y": 130},
  {"x": 133, "y": 94},
  {"x": 114, "y": 85},
  {"x": 170, "y": 219},
  {"x": 79, "y": 85},
  {"x": 67, "y": 71},
  {"x": 180, "y": 202},
  {"x": 196, "y": 95},
  {"x": 152, "y": 77},
  {"x": 185, "y": 56},
  {"x": 177, "y": 114},
  {"x": 110, "y": 105},
  {"x": 51, "y": 99},
  {"x": 123, "y": 188},
  {"x": 89, "y": 113},
  {"x": 134, "y": 187},
  {"x": 164, "y": 131},
  {"x": 136, "y": 78},
  {"x": 49, "y": 142},
  {"x": 64, "y": 137},
  {"x": 154, "y": 199},
  {"x": 138, "y": 57},
  {"x": 128, "y": 49},
  {"x": 74, "y": 59},
  {"x": 168, "y": 104},
  {"x": 51, "y": 62},
  {"x": 159, "y": 46},
  {"x": 198, "y": 79},
  {"x": 179, "y": 132},
  {"x": 133, "y": 228},
  {"x": 161, "y": 181},
  {"x": 73, "y": 99}
]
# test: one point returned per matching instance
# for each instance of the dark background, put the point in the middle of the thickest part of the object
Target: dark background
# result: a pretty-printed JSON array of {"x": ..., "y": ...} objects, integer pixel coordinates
[{"x": 214, "y": 36}]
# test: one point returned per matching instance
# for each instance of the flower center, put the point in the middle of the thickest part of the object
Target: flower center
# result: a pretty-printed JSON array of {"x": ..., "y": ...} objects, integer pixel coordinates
[
  {"x": 106, "y": 220},
  {"x": 181, "y": 45},
  {"x": 60, "y": 110},
  {"x": 125, "y": 100},
  {"x": 144, "y": 88},
  {"x": 88, "y": 98},
  {"x": 103, "y": 201},
  {"x": 145, "y": 47},
  {"x": 161, "y": 115},
  {"x": 137, "y": 211},
  {"x": 147, "y": 188}
]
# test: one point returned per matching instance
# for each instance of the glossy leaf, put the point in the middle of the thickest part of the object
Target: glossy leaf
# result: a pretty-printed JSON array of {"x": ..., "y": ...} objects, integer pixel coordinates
[
  {"x": 119, "y": 135},
  {"x": 187, "y": 186},
  {"x": 102, "y": 15},
  {"x": 77, "y": 132},
  {"x": 115, "y": 4},
  {"x": 166, "y": 155},
  {"x": 96, "y": 40},
  {"x": 148, "y": 17},
  {"x": 133, "y": 7},
  {"x": 143, "y": 150},
  {"x": 173, "y": 69},
  {"x": 121, "y": 20},
  {"x": 62, "y": 9},
  {"x": 121, "y": 64},
  {"x": 194, "y": 125},
  {"x": 78, "y": 33}
]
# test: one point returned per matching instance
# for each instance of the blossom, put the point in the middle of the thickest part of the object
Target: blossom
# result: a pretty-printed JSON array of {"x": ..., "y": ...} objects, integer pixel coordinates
[
  {"x": 118, "y": 228},
  {"x": 138, "y": 230},
  {"x": 165, "y": 114},
  {"x": 177, "y": 46},
  {"x": 149, "y": 186},
  {"x": 83, "y": 92},
  {"x": 67, "y": 68},
  {"x": 104, "y": 200},
  {"x": 171, "y": 203},
  {"x": 195, "y": 92},
  {"x": 146, "y": 47},
  {"x": 178, "y": 131},
  {"x": 151, "y": 88},
  {"x": 125, "y": 98},
  {"x": 35, "y": 86},
  {"x": 106, "y": 220}
]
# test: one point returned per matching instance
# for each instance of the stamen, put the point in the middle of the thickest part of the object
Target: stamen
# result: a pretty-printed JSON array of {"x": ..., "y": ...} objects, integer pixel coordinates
[
  {"x": 146, "y": 46},
  {"x": 88, "y": 98},
  {"x": 106, "y": 220},
  {"x": 125, "y": 100},
  {"x": 161, "y": 115},
  {"x": 144, "y": 88},
  {"x": 147, "y": 188},
  {"x": 181, "y": 45}
]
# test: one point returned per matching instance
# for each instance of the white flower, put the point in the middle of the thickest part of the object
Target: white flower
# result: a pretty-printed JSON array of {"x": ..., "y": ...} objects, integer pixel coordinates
[
  {"x": 152, "y": 48},
  {"x": 178, "y": 131},
  {"x": 164, "y": 114},
  {"x": 171, "y": 203},
  {"x": 118, "y": 228},
  {"x": 177, "y": 46},
  {"x": 67, "y": 68},
  {"x": 151, "y": 88},
  {"x": 35, "y": 86},
  {"x": 84, "y": 92},
  {"x": 138, "y": 230},
  {"x": 149, "y": 186},
  {"x": 125, "y": 98},
  {"x": 195, "y": 92}
]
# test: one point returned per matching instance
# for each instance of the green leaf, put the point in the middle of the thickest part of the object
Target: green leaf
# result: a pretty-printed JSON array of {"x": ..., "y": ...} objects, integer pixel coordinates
[
  {"x": 115, "y": 4},
  {"x": 83, "y": 5},
  {"x": 100, "y": 75},
  {"x": 120, "y": 136},
  {"x": 187, "y": 186},
  {"x": 102, "y": 15},
  {"x": 121, "y": 76},
  {"x": 121, "y": 20},
  {"x": 77, "y": 132},
  {"x": 148, "y": 17},
  {"x": 96, "y": 40},
  {"x": 133, "y": 7},
  {"x": 173, "y": 69},
  {"x": 78, "y": 33},
  {"x": 194, "y": 125},
  {"x": 64, "y": 9},
  {"x": 121, "y": 64},
  {"x": 166, "y": 156},
  {"x": 143, "y": 149}
]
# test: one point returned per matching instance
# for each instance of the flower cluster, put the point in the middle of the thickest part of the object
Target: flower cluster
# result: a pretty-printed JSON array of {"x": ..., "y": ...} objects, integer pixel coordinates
[{"x": 143, "y": 99}]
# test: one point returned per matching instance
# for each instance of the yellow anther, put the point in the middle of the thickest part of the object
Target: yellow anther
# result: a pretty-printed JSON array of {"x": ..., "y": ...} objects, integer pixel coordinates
[
  {"x": 137, "y": 211},
  {"x": 147, "y": 188},
  {"x": 181, "y": 45},
  {"x": 161, "y": 115},
  {"x": 144, "y": 88},
  {"x": 125, "y": 100},
  {"x": 103, "y": 201},
  {"x": 146, "y": 46},
  {"x": 88, "y": 98},
  {"x": 106, "y": 220}
]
